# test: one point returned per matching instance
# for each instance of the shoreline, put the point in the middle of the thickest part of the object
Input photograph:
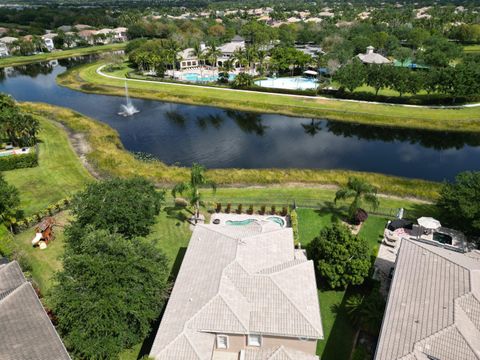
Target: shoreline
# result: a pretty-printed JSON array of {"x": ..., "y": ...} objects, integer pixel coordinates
[
  {"x": 86, "y": 78},
  {"x": 107, "y": 156}
]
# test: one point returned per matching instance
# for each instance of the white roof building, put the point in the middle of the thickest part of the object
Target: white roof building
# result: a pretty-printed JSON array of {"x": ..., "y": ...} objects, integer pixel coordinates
[
  {"x": 241, "y": 290},
  {"x": 371, "y": 57}
]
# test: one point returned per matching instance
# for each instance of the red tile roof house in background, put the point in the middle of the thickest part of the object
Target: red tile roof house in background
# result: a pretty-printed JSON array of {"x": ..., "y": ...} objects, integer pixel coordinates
[
  {"x": 243, "y": 292},
  {"x": 26, "y": 332}
]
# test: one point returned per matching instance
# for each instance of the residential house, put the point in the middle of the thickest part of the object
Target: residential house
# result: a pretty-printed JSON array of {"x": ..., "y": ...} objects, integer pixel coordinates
[
  {"x": 26, "y": 331},
  {"x": 120, "y": 34},
  {"x": 104, "y": 36},
  {"x": 242, "y": 292},
  {"x": 4, "y": 50},
  {"x": 81, "y": 27},
  {"x": 48, "y": 40},
  {"x": 371, "y": 57},
  {"x": 188, "y": 59},
  {"x": 65, "y": 28},
  {"x": 7, "y": 45},
  {"x": 229, "y": 49},
  {"x": 88, "y": 36},
  {"x": 433, "y": 309}
]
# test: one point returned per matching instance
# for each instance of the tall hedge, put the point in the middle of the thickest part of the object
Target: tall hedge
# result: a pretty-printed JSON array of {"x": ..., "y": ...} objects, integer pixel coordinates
[{"x": 18, "y": 161}]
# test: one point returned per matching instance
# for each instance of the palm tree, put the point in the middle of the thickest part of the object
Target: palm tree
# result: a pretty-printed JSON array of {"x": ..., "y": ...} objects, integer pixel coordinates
[
  {"x": 252, "y": 56},
  {"x": 213, "y": 54},
  {"x": 192, "y": 187},
  {"x": 173, "y": 50},
  {"x": 200, "y": 55},
  {"x": 360, "y": 191},
  {"x": 241, "y": 57}
]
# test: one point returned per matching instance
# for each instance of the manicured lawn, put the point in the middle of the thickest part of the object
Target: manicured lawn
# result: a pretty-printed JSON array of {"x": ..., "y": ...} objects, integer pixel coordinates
[
  {"x": 472, "y": 49},
  {"x": 86, "y": 79},
  {"x": 60, "y": 54},
  {"x": 338, "y": 331},
  {"x": 59, "y": 174}
]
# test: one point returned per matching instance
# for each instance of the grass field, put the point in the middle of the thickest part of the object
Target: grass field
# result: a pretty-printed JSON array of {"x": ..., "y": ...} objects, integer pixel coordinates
[
  {"x": 110, "y": 159},
  {"x": 85, "y": 78},
  {"x": 59, "y": 174},
  {"x": 60, "y": 54},
  {"x": 472, "y": 49}
]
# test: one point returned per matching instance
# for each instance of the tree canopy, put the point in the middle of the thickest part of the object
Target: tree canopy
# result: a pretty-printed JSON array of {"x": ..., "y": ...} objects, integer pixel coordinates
[
  {"x": 341, "y": 258},
  {"x": 9, "y": 199},
  {"x": 15, "y": 126},
  {"x": 459, "y": 203},
  {"x": 108, "y": 293},
  {"x": 127, "y": 206}
]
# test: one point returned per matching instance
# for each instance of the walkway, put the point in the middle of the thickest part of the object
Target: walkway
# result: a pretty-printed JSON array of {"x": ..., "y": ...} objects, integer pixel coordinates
[{"x": 101, "y": 73}]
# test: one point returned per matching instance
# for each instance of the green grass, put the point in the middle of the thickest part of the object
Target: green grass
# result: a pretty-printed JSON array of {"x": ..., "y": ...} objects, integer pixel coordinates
[
  {"x": 44, "y": 262},
  {"x": 472, "y": 49},
  {"x": 60, "y": 54},
  {"x": 59, "y": 174},
  {"x": 85, "y": 78},
  {"x": 110, "y": 159},
  {"x": 338, "y": 331}
]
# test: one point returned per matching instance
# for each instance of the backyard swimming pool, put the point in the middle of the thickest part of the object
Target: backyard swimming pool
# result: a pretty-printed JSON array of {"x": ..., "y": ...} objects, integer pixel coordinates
[{"x": 292, "y": 83}]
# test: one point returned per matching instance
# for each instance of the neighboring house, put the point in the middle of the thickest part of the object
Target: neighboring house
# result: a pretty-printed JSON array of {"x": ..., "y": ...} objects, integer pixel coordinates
[
  {"x": 7, "y": 45},
  {"x": 433, "y": 309},
  {"x": 242, "y": 292},
  {"x": 81, "y": 27},
  {"x": 229, "y": 48},
  {"x": 65, "y": 28},
  {"x": 120, "y": 34},
  {"x": 48, "y": 40},
  {"x": 371, "y": 57},
  {"x": 87, "y": 36},
  {"x": 4, "y": 50},
  {"x": 104, "y": 36},
  {"x": 26, "y": 331}
]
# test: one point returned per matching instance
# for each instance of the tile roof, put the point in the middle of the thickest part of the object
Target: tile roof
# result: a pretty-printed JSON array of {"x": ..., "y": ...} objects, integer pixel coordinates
[
  {"x": 278, "y": 353},
  {"x": 433, "y": 306},
  {"x": 238, "y": 280},
  {"x": 26, "y": 332}
]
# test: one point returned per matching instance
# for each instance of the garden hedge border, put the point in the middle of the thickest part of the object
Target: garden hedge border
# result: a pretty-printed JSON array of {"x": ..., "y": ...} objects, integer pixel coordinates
[{"x": 19, "y": 161}]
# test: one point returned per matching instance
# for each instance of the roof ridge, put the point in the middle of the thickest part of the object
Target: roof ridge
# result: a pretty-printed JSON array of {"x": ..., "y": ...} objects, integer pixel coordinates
[
  {"x": 293, "y": 304},
  {"x": 418, "y": 244},
  {"x": 216, "y": 231},
  {"x": 233, "y": 312},
  {"x": 183, "y": 333},
  {"x": 13, "y": 290},
  {"x": 292, "y": 264},
  {"x": 277, "y": 351}
]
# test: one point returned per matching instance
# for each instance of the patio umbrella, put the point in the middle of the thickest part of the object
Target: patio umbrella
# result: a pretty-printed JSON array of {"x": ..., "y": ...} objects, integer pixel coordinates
[
  {"x": 310, "y": 72},
  {"x": 429, "y": 223}
]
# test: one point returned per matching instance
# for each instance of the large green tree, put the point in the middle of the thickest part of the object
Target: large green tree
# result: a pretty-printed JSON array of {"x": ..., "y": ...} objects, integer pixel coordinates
[
  {"x": 127, "y": 206},
  {"x": 108, "y": 293},
  {"x": 459, "y": 203},
  {"x": 352, "y": 75},
  {"x": 15, "y": 126},
  {"x": 9, "y": 201},
  {"x": 341, "y": 258}
]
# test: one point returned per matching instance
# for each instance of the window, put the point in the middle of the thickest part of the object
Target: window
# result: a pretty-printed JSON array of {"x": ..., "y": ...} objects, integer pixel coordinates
[
  {"x": 222, "y": 342},
  {"x": 254, "y": 340}
]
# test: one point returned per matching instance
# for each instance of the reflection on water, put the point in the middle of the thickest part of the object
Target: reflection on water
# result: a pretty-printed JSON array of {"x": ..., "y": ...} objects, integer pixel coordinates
[{"x": 221, "y": 138}]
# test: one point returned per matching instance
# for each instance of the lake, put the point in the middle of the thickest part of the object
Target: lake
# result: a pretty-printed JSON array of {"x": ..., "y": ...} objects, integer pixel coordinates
[{"x": 218, "y": 138}]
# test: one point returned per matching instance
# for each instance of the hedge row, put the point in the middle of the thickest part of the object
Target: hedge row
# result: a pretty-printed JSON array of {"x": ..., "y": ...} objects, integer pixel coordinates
[{"x": 18, "y": 161}]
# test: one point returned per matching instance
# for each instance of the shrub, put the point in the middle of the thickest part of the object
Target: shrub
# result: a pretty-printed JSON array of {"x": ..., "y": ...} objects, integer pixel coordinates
[
  {"x": 243, "y": 80},
  {"x": 273, "y": 210},
  {"x": 262, "y": 210},
  {"x": 360, "y": 216},
  {"x": 294, "y": 224},
  {"x": 7, "y": 245},
  {"x": 250, "y": 210},
  {"x": 180, "y": 202},
  {"x": 229, "y": 208},
  {"x": 18, "y": 161},
  {"x": 218, "y": 208},
  {"x": 239, "y": 209},
  {"x": 284, "y": 211}
]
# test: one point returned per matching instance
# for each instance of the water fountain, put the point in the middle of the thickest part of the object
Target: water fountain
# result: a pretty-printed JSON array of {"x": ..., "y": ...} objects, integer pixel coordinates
[{"x": 128, "y": 109}]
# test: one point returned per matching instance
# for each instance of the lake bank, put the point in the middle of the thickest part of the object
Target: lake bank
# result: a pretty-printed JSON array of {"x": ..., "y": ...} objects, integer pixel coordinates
[{"x": 86, "y": 78}]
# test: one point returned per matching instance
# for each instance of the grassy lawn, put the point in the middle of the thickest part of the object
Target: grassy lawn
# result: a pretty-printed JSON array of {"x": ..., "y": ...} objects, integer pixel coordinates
[
  {"x": 472, "y": 49},
  {"x": 338, "y": 331},
  {"x": 60, "y": 54},
  {"x": 59, "y": 174},
  {"x": 85, "y": 78}
]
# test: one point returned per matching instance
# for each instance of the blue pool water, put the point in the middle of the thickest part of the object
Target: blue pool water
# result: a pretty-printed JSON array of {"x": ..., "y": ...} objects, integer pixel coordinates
[
  {"x": 277, "y": 220},
  {"x": 292, "y": 83},
  {"x": 274, "y": 219},
  {"x": 194, "y": 77}
]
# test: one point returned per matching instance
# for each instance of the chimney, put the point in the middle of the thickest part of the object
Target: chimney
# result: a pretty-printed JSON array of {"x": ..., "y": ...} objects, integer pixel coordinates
[{"x": 370, "y": 49}]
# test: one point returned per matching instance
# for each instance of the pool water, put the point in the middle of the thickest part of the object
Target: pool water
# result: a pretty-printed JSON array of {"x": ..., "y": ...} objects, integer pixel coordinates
[
  {"x": 292, "y": 83},
  {"x": 274, "y": 219},
  {"x": 194, "y": 77},
  {"x": 277, "y": 220},
  {"x": 442, "y": 238}
]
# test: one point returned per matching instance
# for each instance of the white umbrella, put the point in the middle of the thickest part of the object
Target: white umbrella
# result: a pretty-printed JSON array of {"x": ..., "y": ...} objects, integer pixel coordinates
[
  {"x": 429, "y": 223},
  {"x": 310, "y": 72}
]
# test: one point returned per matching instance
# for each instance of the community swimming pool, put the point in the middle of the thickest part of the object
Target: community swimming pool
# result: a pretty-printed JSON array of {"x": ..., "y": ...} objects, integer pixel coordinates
[
  {"x": 194, "y": 77},
  {"x": 292, "y": 83}
]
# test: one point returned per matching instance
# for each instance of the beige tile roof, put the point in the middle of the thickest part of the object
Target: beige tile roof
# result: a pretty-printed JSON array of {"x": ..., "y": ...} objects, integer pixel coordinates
[
  {"x": 433, "y": 306},
  {"x": 240, "y": 280},
  {"x": 26, "y": 332},
  {"x": 278, "y": 353}
]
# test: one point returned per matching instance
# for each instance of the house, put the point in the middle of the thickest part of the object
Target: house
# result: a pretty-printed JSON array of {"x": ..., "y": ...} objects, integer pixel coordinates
[
  {"x": 188, "y": 59},
  {"x": 433, "y": 308},
  {"x": 243, "y": 292},
  {"x": 26, "y": 331},
  {"x": 48, "y": 40},
  {"x": 6, "y": 45},
  {"x": 4, "y": 50},
  {"x": 87, "y": 36},
  {"x": 228, "y": 49},
  {"x": 81, "y": 27},
  {"x": 120, "y": 34},
  {"x": 371, "y": 57},
  {"x": 65, "y": 28}
]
